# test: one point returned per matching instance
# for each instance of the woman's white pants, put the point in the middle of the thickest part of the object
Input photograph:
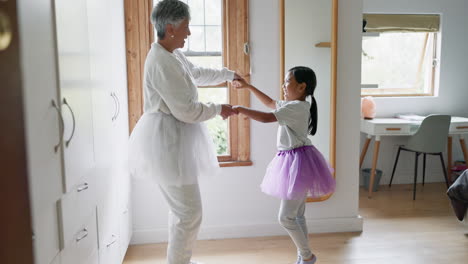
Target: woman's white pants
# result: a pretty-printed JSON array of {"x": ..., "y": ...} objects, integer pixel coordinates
[{"x": 185, "y": 217}]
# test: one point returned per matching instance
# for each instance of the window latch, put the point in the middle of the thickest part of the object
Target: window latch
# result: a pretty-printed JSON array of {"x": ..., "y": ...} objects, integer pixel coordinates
[{"x": 246, "y": 48}]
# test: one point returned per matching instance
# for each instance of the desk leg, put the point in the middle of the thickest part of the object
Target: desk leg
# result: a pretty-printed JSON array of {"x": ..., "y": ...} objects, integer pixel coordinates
[
  {"x": 364, "y": 150},
  {"x": 463, "y": 146},
  {"x": 449, "y": 157},
  {"x": 374, "y": 164}
]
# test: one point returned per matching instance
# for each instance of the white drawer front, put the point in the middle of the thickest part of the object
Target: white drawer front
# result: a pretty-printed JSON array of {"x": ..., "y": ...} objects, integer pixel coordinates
[
  {"x": 459, "y": 128},
  {"x": 93, "y": 259},
  {"x": 109, "y": 253},
  {"x": 393, "y": 129},
  {"x": 125, "y": 232},
  {"x": 75, "y": 207},
  {"x": 83, "y": 244}
]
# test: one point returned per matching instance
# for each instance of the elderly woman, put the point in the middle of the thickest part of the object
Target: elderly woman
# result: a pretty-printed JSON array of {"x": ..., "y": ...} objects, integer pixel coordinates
[{"x": 170, "y": 144}]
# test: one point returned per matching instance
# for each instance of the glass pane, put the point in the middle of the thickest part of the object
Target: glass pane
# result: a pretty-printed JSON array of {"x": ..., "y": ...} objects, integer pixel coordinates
[
  {"x": 213, "y": 12},
  {"x": 197, "y": 12},
  {"x": 215, "y": 62},
  {"x": 398, "y": 61},
  {"x": 196, "y": 41},
  {"x": 214, "y": 38},
  {"x": 217, "y": 126}
]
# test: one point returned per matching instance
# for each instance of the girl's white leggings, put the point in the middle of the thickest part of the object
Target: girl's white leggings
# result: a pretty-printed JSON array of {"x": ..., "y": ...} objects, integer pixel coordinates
[
  {"x": 185, "y": 217},
  {"x": 291, "y": 217}
]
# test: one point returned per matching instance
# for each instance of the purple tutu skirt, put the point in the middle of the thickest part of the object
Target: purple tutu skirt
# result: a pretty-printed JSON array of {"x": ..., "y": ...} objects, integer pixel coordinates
[{"x": 294, "y": 173}]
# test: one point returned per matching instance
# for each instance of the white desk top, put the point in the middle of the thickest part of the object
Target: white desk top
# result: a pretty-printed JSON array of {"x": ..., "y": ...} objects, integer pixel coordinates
[{"x": 403, "y": 127}]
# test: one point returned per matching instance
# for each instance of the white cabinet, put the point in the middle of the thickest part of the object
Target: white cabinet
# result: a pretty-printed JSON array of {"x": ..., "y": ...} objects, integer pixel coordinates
[
  {"x": 108, "y": 78},
  {"x": 73, "y": 54},
  {"x": 42, "y": 126}
]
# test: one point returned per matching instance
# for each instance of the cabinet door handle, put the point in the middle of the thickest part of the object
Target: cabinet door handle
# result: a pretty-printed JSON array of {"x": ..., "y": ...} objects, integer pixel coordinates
[
  {"x": 462, "y": 127},
  {"x": 67, "y": 142},
  {"x": 83, "y": 187},
  {"x": 115, "y": 104},
  {"x": 61, "y": 125},
  {"x": 118, "y": 106},
  {"x": 85, "y": 234}
]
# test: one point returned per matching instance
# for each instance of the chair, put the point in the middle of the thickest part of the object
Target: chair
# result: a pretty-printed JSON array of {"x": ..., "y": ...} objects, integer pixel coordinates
[{"x": 430, "y": 139}]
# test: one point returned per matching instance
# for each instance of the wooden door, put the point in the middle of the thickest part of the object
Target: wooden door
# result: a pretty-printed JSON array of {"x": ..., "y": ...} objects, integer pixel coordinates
[{"x": 17, "y": 246}]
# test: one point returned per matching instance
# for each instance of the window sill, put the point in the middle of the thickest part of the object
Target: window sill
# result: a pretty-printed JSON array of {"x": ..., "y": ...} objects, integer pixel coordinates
[{"x": 235, "y": 163}]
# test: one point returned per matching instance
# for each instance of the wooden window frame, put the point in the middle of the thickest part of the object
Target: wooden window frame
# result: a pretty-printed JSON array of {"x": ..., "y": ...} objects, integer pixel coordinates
[
  {"x": 411, "y": 92},
  {"x": 139, "y": 36}
]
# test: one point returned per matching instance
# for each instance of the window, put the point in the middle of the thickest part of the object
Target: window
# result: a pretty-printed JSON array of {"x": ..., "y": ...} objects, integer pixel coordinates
[
  {"x": 397, "y": 59},
  {"x": 217, "y": 39},
  {"x": 204, "y": 48}
]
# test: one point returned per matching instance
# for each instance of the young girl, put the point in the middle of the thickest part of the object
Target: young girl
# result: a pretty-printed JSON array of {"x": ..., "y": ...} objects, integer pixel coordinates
[{"x": 298, "y": 168}]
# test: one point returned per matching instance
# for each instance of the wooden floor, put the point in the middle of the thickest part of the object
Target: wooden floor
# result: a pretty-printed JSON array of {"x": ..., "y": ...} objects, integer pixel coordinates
[{"x": 396, "y": 230}]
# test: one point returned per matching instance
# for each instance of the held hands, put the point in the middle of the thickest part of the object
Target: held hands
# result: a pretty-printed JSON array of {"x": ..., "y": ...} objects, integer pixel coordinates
[
  {"x": 237, "y": 109},
  {"x": 228, "y": 110},
  {"x": 239, "y": 83}
]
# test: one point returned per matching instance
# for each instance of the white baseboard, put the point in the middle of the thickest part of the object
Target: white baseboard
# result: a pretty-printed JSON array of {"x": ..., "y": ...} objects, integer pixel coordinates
[{"x": 328, "y": 225}]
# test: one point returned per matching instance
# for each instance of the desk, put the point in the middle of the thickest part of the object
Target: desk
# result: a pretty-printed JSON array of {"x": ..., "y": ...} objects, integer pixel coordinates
[{"x": 379, "y": 127}]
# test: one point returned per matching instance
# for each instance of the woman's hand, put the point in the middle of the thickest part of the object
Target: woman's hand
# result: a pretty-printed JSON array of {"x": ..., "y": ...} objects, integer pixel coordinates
[{"x": 227, "y": 111}]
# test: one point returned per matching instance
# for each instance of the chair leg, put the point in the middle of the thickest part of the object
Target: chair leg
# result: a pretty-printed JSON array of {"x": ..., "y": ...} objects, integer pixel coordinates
[
  {"x": 443, "y": 169},
  {"x": 394, "y": 166},
  {"x": 415, "y": 174},
  {"x": 424, "y": 168}
]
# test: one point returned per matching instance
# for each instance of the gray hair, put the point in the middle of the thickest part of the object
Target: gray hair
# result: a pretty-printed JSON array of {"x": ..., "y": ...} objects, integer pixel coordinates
[{"x": 168, "y": 12}]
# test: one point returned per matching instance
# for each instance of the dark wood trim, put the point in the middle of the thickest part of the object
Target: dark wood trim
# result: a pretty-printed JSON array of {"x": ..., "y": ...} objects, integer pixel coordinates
[{"x": 17, "y": 246}]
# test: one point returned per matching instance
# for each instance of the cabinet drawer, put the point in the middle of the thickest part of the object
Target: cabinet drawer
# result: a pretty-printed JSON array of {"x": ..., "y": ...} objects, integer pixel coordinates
[
  {"x": 109, "y": 252},
  {"x": 83, "y": 244},
  {"x": 75, "y": 207}
]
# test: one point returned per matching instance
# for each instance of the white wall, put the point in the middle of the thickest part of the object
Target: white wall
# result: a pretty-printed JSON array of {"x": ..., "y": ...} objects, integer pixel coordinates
[
  {"x": 453, "y": 91},
  {"x": 315, "y": 16},
  {"x": 233, "y": 204}
]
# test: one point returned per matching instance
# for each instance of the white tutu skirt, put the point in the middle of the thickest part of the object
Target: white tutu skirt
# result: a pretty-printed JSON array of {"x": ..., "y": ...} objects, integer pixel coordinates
[{"x": 171, "y": 152}]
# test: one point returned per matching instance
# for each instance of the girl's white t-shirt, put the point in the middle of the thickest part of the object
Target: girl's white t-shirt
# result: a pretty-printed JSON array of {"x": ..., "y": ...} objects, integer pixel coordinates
[{"x": 293, "y": 120}]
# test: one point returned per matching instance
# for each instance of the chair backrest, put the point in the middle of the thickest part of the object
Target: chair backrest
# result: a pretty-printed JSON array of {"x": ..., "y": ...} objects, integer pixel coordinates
[{"x": 432, "y": 135}]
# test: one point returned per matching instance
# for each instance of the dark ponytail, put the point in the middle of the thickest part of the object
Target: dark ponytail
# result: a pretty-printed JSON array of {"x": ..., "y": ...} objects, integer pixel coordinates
[{"x": 307, "y": 75}]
